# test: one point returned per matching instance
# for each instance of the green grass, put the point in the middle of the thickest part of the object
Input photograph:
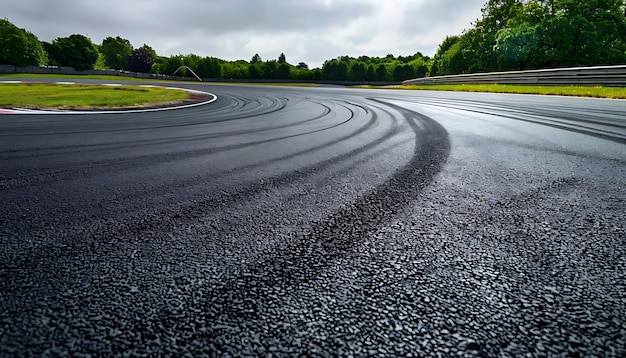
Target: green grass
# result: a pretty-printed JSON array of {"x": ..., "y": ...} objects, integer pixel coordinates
[
  {"x": 89, "y": 77},
  {"x": 577, "y": 91},
  {"x": 45, "y": 95}
]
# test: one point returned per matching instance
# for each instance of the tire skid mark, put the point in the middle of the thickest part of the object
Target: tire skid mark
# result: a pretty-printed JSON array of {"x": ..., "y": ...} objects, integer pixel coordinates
[
  {"x": 149, "y": 160},
  {"x": 560, "y": 121},
  {"x": 313, "y": 249},
  {"x": 121, "y": 145},
  {"x": 326, "y": 241},
  {"x": 114, "y": 230},
  {"x": 553, "y": 115},
  {"x": 558, "y": 112},
  {"x": 86, "y": 148},
  {"x": 237, "y": 193}
]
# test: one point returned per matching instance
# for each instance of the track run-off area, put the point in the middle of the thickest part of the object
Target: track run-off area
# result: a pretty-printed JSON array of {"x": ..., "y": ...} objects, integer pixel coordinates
[{"x": 317, "y": 221}]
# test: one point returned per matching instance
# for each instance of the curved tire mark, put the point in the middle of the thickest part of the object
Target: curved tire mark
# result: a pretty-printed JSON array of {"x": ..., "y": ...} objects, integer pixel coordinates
[{"x": 330, "y": 239}]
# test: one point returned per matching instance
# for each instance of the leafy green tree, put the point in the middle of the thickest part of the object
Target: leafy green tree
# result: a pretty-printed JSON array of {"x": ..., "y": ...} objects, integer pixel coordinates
[
  {"x": 192, "y": 60},
  {"x": 116, "y": 51},
  {"x": 524, "y": 34},
  {"x": 256, "y": 70},
  {"x": 370, "y": 75},
  {"x": 437, "y": 66},
  {"x": 283, "y": 71},
  {"x": 209, "y": 67},
  {"x": 403, "y": 72},
  {"x": 19, "y": 47},
  {"x": 479, "y": 47},
  {"x": 315, "y": 74},
  {"x": 419, "y": 64},
  {"x": 358, "y": 71},
  {"x": 460, "y": 57},
  {"x": 172, "y": 64},
  {"x": 282, "y": 58},
  {"x": 270, "y": 69},
  {"x": 49, "y": 50},
  {"x": 447, "y": 43},
  {"x": 256, "y": 58},
  {"x": 235, "y": 69},
  {"x": 99, "y": 65},
  {"x": 302, "y": 72},
  {"x": 493, "y": 44},
  {"x": 75, "y": 51},
  {"x": 336, "y": 69},
  {"x": 518, "y": 47},
  {"x": 381, "y": 73},
  {"x": 158, "y": 65},
  {"x": 496, "y": 15},
  {"x": 592, "y": 32}
]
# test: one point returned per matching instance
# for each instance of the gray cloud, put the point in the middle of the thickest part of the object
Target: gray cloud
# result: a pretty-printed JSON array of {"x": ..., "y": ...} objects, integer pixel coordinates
[{"x": 305, "y": 30}]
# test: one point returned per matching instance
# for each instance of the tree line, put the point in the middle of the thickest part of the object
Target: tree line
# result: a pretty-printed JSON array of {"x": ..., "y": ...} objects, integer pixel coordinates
[
  {"x": 511, "y": 35},
  {"x": 535, "y": 34},
  {"x": 78, "y": 51}
]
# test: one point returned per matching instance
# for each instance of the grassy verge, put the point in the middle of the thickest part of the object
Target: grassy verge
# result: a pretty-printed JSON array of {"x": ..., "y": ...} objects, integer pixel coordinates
[
  {"x": 577, "y": 91},
  {"x": 43, "y": 95},
  {"x": 76, "y": 77}
]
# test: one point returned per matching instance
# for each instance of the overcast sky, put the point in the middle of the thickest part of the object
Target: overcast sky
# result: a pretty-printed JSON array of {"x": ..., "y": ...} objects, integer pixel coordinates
[{"x": 308, "y": 31}]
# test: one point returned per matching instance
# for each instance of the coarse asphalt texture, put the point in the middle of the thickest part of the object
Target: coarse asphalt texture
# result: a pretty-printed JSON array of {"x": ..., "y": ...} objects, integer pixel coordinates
[{"x": 282, "y": 221}]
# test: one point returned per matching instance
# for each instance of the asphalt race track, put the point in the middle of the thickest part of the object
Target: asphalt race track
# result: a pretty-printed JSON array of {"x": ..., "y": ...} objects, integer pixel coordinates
[{"x": 317, "y": 221}]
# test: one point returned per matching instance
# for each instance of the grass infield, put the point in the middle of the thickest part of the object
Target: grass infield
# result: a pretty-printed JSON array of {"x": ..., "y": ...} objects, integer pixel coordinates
[
  {"x": 81, "y": 96},
  {"x": 576, "y": 91}
]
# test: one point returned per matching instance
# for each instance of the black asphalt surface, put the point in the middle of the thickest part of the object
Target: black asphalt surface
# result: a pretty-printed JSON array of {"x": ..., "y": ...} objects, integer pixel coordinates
[{"x": 284, "y": 221}]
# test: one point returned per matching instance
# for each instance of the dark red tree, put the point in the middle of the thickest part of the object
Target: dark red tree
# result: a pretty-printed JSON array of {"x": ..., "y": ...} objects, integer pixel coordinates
[{"x": 140, "y": 61}]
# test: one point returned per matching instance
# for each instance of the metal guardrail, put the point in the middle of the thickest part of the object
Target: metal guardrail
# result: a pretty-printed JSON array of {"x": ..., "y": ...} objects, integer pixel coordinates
[{"x": 614, "y": 76}]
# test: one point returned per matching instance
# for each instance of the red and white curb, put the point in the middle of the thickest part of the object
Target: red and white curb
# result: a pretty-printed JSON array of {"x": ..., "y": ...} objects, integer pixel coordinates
[{"x": 212, "y": 99}]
